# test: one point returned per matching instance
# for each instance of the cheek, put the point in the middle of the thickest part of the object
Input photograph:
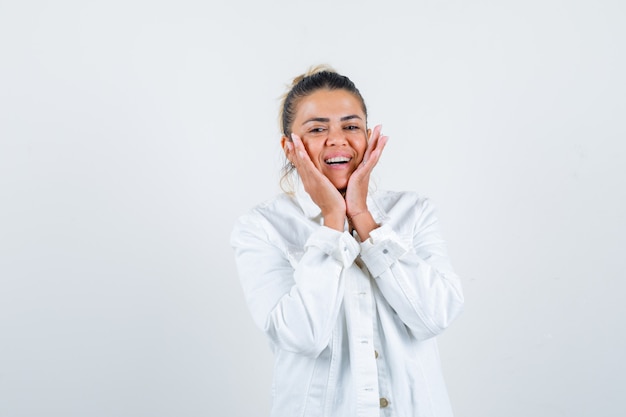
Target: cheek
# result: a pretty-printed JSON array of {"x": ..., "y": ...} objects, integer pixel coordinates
[
  {"x": 313, "y": 149},
  {"x": 361, "y": 145}
]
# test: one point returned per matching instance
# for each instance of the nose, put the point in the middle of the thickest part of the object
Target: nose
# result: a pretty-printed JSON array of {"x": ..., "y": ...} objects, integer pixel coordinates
[{"x": 336, "y": 136}]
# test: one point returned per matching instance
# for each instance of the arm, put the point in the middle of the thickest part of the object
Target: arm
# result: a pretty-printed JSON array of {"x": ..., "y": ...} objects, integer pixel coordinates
[
  {"x": 357, "y": 211},
  {"x": 415, "y": 277},
  {"x": 297, "y": 307}
]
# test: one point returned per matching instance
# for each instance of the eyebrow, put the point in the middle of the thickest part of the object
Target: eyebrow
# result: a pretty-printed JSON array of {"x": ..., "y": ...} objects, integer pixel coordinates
[{"x": 326, "y": 119}]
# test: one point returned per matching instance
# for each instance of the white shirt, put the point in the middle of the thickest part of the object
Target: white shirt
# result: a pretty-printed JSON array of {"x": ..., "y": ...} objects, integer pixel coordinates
[{"x": 351, "y": 323}]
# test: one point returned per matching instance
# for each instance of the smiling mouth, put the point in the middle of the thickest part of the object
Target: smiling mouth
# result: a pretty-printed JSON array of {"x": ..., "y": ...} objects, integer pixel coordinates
[{"x": 337, "y": 160}]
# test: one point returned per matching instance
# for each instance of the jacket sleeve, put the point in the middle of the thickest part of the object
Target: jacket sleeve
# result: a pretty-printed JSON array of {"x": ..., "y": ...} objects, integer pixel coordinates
[
  {"x": 297, "y": 307},
  {"x": 415, "y": 277}
]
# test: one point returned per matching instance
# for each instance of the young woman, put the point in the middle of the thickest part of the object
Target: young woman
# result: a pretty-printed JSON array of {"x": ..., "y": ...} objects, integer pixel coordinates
[{"x": 350, "y": 286}]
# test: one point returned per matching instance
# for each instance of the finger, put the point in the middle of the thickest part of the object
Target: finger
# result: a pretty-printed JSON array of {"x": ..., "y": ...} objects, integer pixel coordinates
[
  {"x": 375, "y": 132},
  {"x": 305, "y": 167},
  {"x": 296, "y": 148},
  {"x": 299, "y": 148},
  {"x": 373, "y": 140},
  {"x": 374, "y": 156},
  {"x": 371, "y": 143},
  {"x": 377, "y": 152}
]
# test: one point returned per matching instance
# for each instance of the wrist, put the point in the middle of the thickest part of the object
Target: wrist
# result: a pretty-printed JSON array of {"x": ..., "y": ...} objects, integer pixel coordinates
[
  {"x": 356, "y": 213},
  {"x": 334, "y": 218},
  {"x": 335, "y": 221},
  {"x": 363, "y": 222}
]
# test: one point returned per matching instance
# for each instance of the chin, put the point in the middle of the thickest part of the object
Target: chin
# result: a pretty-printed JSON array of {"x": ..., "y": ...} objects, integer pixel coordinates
[
  {"x": 341, "y": 187},
  {"x": 340, "y": 183}
]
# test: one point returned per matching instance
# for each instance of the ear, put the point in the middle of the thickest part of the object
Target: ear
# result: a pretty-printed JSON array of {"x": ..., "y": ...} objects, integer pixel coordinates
[{"x": 283, "y": 144}]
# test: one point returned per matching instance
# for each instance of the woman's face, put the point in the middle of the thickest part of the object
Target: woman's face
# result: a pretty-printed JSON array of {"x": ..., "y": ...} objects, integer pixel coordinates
[{"x": 332, "y": 126}]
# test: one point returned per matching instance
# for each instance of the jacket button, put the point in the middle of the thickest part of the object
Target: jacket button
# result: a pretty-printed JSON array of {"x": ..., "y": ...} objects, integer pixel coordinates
[
  {"x": 384, "y": 402},
  {"x": 376, "y": 354}
]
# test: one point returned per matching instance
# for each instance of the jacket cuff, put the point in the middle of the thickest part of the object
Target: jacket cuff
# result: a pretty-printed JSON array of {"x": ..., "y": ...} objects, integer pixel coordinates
[
  {"x": 382, "y": 249},
  {"x": 338, "y": 245}
]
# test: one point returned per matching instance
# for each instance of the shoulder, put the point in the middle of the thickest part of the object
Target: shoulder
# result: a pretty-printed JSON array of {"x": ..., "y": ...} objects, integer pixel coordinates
[
  {"x": 404, "y": 200},
  {"x": 263, "y": 209},
  {"x": 403, "y": 210},
  {"x": 265, "y": 215}
]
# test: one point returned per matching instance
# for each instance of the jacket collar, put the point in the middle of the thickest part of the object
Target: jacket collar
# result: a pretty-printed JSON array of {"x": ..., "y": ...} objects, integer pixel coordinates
[
  {"x": 309, "y": 208},
  {"x": 312, "y": 210}
]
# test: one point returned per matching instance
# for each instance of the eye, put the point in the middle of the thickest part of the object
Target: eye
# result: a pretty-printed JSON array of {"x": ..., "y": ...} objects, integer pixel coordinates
[
  {"x": 316, "y": 130},
  {"x": 352, "y": 127}
]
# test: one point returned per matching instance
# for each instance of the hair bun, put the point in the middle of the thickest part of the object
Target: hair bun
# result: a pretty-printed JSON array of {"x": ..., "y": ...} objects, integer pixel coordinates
[{"x": 311, "y": 71}]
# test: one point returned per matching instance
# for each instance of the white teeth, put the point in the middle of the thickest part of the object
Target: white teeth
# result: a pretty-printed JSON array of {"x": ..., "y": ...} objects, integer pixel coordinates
[{"x": 337, "y": 160}]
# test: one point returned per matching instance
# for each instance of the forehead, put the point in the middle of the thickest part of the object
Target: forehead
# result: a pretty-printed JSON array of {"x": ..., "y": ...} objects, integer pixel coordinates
[{"x": 332, "y": 104}]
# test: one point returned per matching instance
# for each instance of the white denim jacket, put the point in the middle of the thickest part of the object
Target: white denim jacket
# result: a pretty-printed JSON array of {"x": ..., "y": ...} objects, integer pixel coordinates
[{"x": 351, "y": 323}]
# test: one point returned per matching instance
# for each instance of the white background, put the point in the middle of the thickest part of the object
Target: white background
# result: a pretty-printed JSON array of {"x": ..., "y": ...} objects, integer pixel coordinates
[{"x": 133, "y": 133}]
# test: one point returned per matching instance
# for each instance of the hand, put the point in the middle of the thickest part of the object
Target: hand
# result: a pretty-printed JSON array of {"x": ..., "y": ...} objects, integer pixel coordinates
[
  {"x": 321, "y": 190},
  {"x": 356, "y": 193}
]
